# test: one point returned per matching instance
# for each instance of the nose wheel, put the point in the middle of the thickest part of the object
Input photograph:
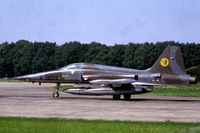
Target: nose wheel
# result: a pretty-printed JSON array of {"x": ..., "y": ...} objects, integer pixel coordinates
[{"x": 56, "y": 93}]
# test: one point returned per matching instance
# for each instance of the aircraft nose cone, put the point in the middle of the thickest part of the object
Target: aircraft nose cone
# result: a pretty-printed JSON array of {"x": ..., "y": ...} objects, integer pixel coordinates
[
  {"x": 29, "y": 77},
  {"x": 25, "y": 78}
]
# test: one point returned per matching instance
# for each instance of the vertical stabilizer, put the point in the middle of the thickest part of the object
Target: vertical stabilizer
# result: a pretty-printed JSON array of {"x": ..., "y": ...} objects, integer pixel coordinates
[{"x": 169, "y": 62}]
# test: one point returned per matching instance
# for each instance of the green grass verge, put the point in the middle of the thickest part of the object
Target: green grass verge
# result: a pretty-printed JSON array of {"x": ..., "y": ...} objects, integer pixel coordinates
[
  {"x": 10, "y": 80},
  {"x": 54, "y": 125},
  {"x": 61, "y": 88},
  {"x": 182, "y": 91}
]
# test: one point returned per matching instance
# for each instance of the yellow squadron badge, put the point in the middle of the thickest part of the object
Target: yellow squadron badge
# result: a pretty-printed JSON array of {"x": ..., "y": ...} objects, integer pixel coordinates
[
  {"x": 64, "y": 76},
  {"x": 164, "y": 62}
]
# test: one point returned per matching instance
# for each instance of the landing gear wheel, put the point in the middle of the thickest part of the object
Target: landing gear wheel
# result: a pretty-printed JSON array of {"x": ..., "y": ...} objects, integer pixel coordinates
[
  {"x": 56, "y": 94},
  {"x": 116, "y": 97},
  {"x": 127, "y": 97}
]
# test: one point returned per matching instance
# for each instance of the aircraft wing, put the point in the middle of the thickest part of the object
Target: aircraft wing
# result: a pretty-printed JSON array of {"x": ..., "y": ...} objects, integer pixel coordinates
[
  {"x": 112, "y": 81},
  {"x": 122, "y": 81}
]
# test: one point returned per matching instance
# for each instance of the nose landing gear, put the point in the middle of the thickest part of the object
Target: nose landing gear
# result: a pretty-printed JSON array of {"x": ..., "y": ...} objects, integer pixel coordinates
[{"x": 56, "y": 93}]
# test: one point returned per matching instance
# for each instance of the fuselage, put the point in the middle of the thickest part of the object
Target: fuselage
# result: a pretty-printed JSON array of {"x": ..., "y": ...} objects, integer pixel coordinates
[
  {"x": 83, "y": 73},
  {"x": 78, "y": 72}
]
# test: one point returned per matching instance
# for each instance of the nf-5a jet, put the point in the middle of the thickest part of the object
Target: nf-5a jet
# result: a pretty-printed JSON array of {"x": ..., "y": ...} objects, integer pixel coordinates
[{"x": 95, "y": 79}]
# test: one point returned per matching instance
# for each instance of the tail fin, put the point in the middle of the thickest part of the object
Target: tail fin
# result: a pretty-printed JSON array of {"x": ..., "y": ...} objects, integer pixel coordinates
[{"x": 169, "y": 62}]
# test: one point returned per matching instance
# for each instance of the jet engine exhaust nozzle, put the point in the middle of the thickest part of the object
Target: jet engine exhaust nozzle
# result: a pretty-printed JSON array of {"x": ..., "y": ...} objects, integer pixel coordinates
[{"x": 193, "y": 80}]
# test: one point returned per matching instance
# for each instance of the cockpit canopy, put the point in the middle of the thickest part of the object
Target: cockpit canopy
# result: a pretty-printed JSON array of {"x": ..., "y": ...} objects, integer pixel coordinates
[
  {"x": 100, "y": 67},
  {"x": 79, "y": 66}
]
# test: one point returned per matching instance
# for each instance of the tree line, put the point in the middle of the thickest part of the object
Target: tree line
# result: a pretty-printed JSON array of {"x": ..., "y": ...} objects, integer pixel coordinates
[{"x": 24, "y": 57}]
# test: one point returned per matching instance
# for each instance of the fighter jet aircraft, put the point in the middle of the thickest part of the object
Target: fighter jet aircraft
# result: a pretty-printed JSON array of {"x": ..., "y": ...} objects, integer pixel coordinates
[{"x": 96, "y": 79}]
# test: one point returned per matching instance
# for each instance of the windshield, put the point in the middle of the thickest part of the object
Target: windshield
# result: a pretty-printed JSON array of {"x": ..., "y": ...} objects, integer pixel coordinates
[{"x": 73, "y": 66}]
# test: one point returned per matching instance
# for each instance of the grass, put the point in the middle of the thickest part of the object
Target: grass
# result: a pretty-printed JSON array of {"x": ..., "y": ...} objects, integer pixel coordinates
[
  {"x": 182, "y": 91},
  {"x": 10, "y": 80},
  {"x": 61, "y": 88},
  {"x": 55, "y": 125}
]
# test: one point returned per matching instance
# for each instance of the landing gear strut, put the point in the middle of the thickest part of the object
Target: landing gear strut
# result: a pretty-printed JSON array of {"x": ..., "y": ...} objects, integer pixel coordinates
[
  {"x": 127, "y": 97},
  {"x": 116, "y": 97},
  {"x": 56, "y": 93}
]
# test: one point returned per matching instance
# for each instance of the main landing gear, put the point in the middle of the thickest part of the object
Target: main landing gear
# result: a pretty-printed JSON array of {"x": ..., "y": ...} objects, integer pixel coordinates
[
  {"x": 56, "y": 93},
  {"x": 116, "y": 97},
  {"x": 127, "y": 97}
]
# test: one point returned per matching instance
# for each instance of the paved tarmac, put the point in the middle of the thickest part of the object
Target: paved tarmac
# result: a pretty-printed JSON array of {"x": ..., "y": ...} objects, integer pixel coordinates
[{"x": 31, "y": 100}]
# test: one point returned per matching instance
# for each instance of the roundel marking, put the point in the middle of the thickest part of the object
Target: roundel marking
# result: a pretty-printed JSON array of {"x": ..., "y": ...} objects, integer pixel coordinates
[{"x": 164, "y": 62}]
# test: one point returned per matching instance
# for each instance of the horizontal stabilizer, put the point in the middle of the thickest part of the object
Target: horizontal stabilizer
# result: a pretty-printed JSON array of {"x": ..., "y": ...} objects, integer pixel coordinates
[{"x": 145, "y": 84}]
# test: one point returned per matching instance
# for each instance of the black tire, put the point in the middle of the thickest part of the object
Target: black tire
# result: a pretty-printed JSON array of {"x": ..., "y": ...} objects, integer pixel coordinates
[
  {"x": 56, "y": 94},
  {"x": 127, "y": 97},
  {"x": 116, "y": 97}
]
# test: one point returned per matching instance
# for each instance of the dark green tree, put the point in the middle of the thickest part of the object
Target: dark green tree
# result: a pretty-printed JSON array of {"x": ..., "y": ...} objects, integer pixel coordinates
[{"x": 23, "y": 57}]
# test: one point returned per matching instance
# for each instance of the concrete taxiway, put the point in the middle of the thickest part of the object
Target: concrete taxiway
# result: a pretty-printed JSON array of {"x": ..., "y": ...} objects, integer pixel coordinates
[{"x": 31, "y": 100}]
